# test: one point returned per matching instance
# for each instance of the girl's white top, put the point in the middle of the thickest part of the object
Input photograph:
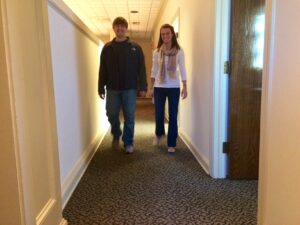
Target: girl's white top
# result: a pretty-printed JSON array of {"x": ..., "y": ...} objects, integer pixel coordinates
[{"x": 169, "y": 82}]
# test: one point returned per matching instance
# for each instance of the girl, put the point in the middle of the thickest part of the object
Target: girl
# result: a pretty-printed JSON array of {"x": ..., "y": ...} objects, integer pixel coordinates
[{"x": 167, "y": 58}]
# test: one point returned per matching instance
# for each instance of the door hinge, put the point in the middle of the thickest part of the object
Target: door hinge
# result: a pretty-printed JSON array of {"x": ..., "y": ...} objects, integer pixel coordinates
[
  {"x": 226, "y": 147},
  {"x": 227, "y": 67}
]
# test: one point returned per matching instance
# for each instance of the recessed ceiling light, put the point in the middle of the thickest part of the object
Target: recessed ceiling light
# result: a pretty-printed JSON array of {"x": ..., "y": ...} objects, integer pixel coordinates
[{"x": 134, "y": 11}]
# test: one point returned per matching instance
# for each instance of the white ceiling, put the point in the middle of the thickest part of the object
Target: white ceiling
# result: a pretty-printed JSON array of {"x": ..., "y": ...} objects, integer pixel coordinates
[{"x": 98, "y": 15}]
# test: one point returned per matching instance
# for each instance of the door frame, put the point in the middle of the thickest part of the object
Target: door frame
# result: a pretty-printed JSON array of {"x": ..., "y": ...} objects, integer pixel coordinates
[
  {"x": 219, "y": 160},
  {"x": 32, "y": 208}
]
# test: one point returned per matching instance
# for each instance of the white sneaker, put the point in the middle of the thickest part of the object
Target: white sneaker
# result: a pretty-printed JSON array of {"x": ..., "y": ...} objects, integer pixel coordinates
[
  {"x": 171, "y": 149},
  {"x": 129, "y": 149},
  {"x": 156, "y": 140}
]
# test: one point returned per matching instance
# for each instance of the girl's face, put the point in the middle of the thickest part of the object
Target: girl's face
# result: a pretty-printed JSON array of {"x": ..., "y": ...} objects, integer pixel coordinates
[{"x": 166, "y": 35}]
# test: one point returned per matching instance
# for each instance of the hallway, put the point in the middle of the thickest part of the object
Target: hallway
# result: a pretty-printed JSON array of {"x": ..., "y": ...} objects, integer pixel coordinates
[
  {"x": 154, "y": 187},
  {"x": 52, "y": 121}
]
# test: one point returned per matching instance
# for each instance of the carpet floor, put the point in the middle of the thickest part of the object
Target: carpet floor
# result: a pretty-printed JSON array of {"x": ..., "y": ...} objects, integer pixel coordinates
[{"x": 152, "y": 186}]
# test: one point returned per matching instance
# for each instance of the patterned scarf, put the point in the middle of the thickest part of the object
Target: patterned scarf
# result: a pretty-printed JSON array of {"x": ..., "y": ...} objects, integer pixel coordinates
[{"x": 171, "y": 67}]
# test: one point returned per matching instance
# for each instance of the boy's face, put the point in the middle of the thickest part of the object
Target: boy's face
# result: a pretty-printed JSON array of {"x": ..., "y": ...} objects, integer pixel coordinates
[{"x": 120, "y": 30}]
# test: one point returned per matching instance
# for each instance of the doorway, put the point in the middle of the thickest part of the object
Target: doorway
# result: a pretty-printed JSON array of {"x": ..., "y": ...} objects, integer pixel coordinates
[{"x": 222, "y": 154}]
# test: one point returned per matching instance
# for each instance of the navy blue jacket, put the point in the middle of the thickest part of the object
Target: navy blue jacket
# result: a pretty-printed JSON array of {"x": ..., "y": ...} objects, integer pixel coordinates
[{"x": 134, "y": 74}]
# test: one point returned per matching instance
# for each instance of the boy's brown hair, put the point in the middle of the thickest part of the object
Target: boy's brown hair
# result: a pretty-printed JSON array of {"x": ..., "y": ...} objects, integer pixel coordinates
[{"x": 120, "y": 21}]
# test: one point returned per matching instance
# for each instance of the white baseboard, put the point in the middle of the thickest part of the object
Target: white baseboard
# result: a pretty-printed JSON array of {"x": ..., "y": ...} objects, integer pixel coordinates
[
  {"x": 63, "y": 222},
  {"x": 79, "y": 168},
  {"x": 45, "y": 214},
  {"x": 201, "y": 160}
]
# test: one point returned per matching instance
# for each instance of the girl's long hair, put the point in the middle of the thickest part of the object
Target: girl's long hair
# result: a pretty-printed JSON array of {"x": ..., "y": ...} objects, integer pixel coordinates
[{"x": 174, "y": 38}]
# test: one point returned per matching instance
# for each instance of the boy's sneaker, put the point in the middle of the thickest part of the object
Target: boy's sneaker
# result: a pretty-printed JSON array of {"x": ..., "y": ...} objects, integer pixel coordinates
[
  {"x": 115, "y": 143},
  {"x": 156, "y": 140},
  {"x": 129, "y": 149}
]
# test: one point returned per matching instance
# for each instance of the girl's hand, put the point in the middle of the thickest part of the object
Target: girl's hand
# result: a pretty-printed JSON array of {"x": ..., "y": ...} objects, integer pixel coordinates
[
  {"x": 150, "y": 93},
  {"x": 184, "y": 92}
]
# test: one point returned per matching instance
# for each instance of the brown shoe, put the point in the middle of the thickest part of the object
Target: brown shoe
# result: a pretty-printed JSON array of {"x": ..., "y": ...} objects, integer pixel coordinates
[
  {"x": 156, "y": 140},
  {"x": 115, "y": 143}
]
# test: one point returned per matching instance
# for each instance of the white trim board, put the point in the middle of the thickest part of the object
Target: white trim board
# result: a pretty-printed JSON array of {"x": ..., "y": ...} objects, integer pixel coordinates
[
  {"x": 78, "y": 170},
  {"x": 218, "y": 166},
  {"x": 67, "y": 13},
  {"x": 201, "y": 159},
  {"x": 63, "y": 222}
]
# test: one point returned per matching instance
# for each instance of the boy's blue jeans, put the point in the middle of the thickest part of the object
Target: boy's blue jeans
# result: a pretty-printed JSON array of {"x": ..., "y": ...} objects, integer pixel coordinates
[
  {"x": 160, "y": 96},
  {"x": 114, "y": 101}
]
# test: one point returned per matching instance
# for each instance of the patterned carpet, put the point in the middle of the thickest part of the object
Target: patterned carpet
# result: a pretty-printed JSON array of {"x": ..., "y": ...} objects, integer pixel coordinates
[{"x": 152, "y": 186}]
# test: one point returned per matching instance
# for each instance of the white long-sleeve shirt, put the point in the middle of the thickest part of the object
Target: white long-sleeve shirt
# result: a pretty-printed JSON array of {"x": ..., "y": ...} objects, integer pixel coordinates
[{"x": 169, "y": 82}]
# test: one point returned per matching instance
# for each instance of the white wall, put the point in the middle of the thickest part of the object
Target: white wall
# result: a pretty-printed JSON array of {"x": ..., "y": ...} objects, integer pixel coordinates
[
  {"x": 197, "y": 24},
  {"x": 146, "y": 45},
  {"x": 279, "y": 181},
  {"x": 80, "y": 113}
]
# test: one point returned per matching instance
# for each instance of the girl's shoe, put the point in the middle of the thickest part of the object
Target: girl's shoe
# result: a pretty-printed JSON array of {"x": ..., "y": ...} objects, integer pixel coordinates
[{"x": 171, "y": 149}]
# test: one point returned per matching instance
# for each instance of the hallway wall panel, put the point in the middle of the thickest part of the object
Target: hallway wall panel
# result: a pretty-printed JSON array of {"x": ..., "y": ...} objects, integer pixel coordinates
[
  {"x": 196, "y": 35},
  {"x": 146, "y": 45},
  {"x": 81, "y": 119}
]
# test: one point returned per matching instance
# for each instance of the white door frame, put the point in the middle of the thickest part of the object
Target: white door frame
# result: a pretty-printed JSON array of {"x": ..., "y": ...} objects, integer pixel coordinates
[
  {"x": 26, "y": 77},
  {"x": 218, "y": 166}
]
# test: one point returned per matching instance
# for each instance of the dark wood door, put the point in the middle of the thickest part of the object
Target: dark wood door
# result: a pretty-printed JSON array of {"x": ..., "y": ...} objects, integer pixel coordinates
[{"x": 246, "y": 53}]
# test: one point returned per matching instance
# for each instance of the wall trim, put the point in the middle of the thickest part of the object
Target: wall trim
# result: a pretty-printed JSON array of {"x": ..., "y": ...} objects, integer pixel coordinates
[
  {"x": 195, "y": 151},
  {"x": 161, "y": 11},
  {"x": 269, "y": 49},
  {"x": 46, "y": 211},
  {"x": 25, "y": 169},
  {"x": 63, "y": 222},
  {"x": 7, "y": 71},
  {"x": 219, "y": 160},
  {"x": 76, "y": 173},
  {"x": 60, "y": 7}
]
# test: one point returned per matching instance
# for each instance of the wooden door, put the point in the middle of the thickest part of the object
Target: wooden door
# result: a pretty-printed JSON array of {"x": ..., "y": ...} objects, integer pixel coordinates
[{"x": 246, "y": 53}]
